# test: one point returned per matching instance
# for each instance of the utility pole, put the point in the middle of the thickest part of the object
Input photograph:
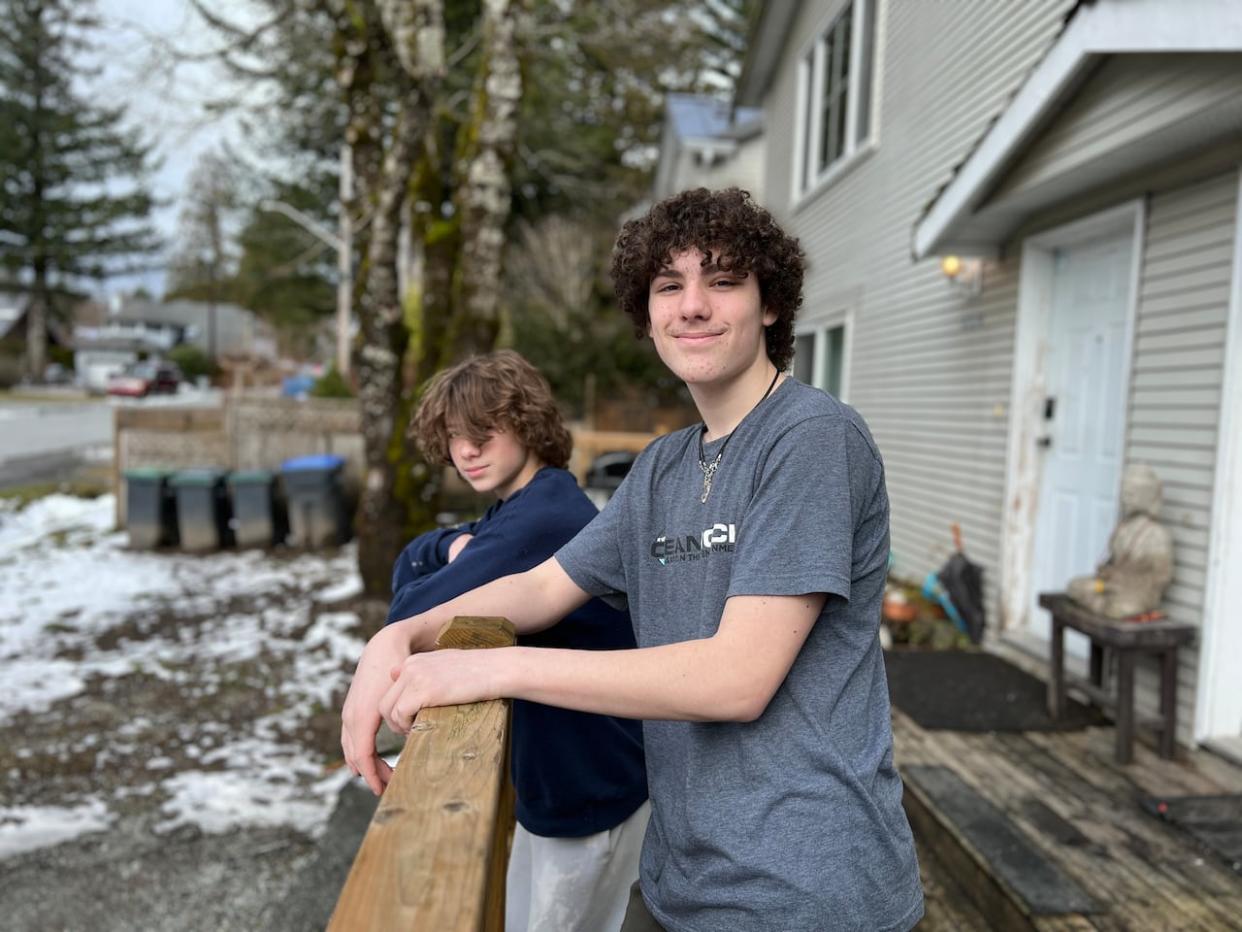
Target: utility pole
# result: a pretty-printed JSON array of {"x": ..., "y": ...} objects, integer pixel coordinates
[{"x": 345, "y": 261}]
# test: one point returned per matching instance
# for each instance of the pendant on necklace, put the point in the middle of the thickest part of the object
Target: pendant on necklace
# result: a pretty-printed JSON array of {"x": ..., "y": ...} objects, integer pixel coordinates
[{"x": 709, "y": 472}]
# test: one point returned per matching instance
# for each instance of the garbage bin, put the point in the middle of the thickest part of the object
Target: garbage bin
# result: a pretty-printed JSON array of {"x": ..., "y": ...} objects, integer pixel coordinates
[
  {"x": 316, "y": 500},
  {"x": 202, "y": 509},
  {"x": 150, "y": 508},
  {"x": 259, "y": 518}
]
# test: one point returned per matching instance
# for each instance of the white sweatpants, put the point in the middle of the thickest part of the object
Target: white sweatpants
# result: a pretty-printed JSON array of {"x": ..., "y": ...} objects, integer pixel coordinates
[{"x": 573, "y": 884}]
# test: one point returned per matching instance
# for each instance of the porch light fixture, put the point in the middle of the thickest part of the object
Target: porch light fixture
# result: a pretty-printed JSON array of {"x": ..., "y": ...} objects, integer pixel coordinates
[{"x": 964, "y": 274}]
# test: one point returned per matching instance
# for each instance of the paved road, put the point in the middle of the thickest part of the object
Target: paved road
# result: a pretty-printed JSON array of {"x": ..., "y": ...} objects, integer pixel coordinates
[{"x": 38, "y": 438}]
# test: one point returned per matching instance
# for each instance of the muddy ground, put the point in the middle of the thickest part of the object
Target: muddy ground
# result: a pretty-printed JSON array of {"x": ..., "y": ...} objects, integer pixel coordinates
[{"x": 125, "y": 740}]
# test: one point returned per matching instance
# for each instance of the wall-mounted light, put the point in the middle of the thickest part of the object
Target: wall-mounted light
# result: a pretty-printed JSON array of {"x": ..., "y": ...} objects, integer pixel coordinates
[{"x": 964, "y": 273}]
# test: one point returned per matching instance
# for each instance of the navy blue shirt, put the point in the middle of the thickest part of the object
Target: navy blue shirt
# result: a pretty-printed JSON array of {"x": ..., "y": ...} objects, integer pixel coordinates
[{"x": 574, "y": 773}]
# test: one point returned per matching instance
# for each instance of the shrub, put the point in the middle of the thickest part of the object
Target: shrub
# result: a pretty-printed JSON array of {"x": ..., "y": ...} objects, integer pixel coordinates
[
  {"x": 192, "y": 361},
  {"x": 331, "y": 385}
]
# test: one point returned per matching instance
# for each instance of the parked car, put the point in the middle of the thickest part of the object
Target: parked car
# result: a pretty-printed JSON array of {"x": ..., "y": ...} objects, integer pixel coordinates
[
  {"x": 605, "y": 474},
  {"x": 145, "y": 378}
]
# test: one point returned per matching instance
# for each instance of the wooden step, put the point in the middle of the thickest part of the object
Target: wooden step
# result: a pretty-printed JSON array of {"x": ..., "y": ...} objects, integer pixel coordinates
[{"x": 1002, "y": 872}]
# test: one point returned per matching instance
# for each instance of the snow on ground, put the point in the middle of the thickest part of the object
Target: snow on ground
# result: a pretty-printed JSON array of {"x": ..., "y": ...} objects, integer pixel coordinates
[
  {"x": 25, "y": 827},
  {"x": 84, "y": 619}
]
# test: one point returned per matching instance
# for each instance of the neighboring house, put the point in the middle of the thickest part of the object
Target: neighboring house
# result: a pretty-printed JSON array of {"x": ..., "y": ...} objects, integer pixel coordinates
[
  {"x": 1080, "y": 164},
  {"x": 134, "y": 327},
  {"x": 706, "y": 143},
  {"x": 225, "y": 330}
]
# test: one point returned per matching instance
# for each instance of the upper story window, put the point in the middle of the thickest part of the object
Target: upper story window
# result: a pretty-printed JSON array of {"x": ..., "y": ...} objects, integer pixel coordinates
[{"x": 834, "y": 91}]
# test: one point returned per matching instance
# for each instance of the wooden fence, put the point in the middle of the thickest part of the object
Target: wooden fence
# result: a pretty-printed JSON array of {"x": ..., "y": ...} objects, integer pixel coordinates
[
  {"x": 246, "y": 432},
  {"x": 260, "y": 432},
  {"x": 435, "y": 855}
]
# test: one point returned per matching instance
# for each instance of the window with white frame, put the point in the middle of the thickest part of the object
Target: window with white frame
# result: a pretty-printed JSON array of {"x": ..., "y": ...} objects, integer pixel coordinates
[
  {"x": 820, "y": 359},
  {"x": 834, "y": 89}
]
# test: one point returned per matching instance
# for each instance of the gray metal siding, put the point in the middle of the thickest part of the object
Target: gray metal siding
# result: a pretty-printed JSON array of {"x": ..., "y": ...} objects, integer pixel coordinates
[
  {"x": 930, "y": 371},
  {"x": 1176, "y": 390}
]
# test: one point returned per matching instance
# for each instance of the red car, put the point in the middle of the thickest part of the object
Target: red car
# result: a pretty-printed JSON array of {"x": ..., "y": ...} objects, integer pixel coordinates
[{"x": 145, "y": 378}]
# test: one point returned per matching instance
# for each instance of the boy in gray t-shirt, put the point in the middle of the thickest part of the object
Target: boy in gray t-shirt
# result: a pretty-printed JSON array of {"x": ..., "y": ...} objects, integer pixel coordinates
[{"x": 752, "y": 554}]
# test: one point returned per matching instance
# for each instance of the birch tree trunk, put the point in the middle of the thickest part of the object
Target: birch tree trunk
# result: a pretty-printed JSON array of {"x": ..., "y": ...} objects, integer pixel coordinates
[
  {"x": 417, "y": 35},
  {"x": 483, "y": 196}
]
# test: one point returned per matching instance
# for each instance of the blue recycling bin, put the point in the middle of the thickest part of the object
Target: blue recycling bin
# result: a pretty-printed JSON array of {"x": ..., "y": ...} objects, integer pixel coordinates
[
  {"x": 203, "y": 510},
  {"x": 259, "y": 517},
  {"x": 318, "y": 516},
  {"x": 150, "y": 508}
]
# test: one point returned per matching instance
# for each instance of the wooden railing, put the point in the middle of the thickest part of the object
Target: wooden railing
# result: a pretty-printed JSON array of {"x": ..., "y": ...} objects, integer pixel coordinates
[{"x": 435, "y": 855}]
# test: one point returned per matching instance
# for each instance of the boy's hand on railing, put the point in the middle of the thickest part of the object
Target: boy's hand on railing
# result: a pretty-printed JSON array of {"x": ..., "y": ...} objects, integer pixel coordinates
[
  {"x": 443, "y": 677},
  {"x": 360, "y": 716}
]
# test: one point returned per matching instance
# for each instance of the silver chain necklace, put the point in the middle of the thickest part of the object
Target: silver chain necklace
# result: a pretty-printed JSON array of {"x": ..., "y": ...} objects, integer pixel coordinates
[{"x": 709, "y": 469}]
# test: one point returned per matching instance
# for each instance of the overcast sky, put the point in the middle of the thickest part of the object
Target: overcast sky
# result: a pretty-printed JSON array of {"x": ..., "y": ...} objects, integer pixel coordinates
[{"x": 165, "y": 101}]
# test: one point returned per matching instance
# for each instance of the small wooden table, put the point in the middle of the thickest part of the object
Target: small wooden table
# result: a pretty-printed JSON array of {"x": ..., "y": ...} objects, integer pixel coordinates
[{"x": 1128, "y": 639}]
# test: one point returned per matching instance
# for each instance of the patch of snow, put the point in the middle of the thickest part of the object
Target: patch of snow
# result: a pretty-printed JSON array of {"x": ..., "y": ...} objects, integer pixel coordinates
[
  {"x": 267, "y": 784},
  {"x": 27, "y": 828},
  {"x": 345, "y": 589},
  {"x": 67, "y": 572},
  {"x": 68, "y": 579}
]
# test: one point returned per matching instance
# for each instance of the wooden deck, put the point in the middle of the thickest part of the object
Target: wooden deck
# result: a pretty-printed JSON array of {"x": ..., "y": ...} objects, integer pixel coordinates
[{"x": 1063, "y": 792}]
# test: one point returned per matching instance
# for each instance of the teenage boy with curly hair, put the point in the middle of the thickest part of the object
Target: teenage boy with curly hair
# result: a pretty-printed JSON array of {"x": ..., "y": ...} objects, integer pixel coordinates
[
  {"x": 579, "y": 778},
  {"x": 752, "y": 552}
]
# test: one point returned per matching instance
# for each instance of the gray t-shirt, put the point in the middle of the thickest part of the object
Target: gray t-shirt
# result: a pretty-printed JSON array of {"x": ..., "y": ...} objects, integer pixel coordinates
[{"x": 793, "y": 821}]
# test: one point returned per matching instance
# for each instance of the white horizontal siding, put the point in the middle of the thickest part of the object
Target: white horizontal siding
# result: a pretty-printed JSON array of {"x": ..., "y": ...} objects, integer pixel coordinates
[
  {"x": 1175, "y": 396},
  {"x": 929, "y": 371}
]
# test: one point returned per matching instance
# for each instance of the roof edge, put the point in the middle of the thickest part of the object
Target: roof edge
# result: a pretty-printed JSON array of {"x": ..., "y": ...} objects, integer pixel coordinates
[
  {"x": 764, "y": 44},
  {"x": 1107, "y": 27}
]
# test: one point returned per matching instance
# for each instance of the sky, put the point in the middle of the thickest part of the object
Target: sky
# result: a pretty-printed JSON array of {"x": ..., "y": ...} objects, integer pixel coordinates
[{"x": 166, "y": 101}]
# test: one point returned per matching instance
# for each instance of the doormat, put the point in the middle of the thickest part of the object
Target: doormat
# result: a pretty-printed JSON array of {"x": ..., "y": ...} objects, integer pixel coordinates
[
  {"x": 1213, "y": 821},
  {"x": 957, "y": 690}
]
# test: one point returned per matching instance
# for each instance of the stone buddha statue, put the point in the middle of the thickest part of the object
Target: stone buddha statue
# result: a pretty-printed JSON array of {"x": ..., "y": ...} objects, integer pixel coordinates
[{"x": 1140, "y": 554}]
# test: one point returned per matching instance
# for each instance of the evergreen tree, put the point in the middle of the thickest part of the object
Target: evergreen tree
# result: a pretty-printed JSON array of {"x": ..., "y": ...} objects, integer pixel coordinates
[{"x": 73, "y": 199}]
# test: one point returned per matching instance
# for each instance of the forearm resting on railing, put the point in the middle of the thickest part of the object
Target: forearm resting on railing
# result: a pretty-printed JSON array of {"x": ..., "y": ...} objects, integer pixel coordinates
[
  {"x": 532, "y": 601},
  {"x": 730, "y": 676}
]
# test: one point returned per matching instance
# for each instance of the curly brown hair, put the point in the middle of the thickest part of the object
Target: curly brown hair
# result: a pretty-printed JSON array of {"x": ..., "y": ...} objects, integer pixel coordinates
[
  {"x": 725, "y": 225},
  {"x": 497, "y": 391}
]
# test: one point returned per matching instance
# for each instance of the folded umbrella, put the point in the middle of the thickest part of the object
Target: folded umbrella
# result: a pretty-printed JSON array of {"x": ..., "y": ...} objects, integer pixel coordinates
[{"x": 962, "y": 580}]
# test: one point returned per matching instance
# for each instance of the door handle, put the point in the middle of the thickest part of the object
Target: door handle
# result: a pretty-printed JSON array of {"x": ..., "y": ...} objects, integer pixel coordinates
[{"x": 1044, "y": 442}]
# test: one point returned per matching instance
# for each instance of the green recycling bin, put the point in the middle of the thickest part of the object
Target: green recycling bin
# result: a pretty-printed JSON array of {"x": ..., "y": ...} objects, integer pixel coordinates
[
  {"x": 259, "y": 517},
  {"x": 150, "y": 508},
  {"x": 318, "y": 516},
  {"x": 202, "y": 509}
]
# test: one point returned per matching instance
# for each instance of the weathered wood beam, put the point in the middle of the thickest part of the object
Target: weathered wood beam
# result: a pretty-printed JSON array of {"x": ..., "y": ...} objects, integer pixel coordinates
[{"x": 436, "y": 853}]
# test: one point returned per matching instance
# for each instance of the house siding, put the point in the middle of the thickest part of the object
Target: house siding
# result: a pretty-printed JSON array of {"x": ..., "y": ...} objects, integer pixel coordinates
[
  {"x": 1131, "y": 98},
  {"x": 1175, "y": 392},
  {"x": 930, "y": 370}
]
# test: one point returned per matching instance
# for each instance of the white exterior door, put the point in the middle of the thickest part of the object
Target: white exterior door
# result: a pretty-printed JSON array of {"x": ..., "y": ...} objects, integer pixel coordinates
[{"x": 1083, "y": 418}]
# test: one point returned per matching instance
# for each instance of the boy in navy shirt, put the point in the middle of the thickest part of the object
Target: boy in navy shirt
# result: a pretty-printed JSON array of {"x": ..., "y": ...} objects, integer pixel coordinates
[{"x": 579, "y": 778}]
